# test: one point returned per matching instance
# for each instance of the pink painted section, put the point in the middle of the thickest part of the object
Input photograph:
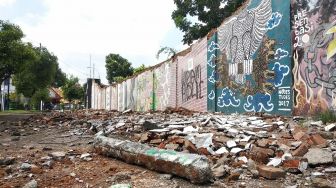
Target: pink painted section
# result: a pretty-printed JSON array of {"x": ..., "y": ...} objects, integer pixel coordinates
[{"x": 189, "y": 62}]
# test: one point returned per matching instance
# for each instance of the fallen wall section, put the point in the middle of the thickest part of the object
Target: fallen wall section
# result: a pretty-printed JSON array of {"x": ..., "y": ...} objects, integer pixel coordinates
[{"x": 190, "y": 166}]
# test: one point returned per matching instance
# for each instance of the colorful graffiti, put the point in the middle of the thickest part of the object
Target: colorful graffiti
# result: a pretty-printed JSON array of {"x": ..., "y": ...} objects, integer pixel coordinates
[
  {"x": 314, "y": 25},
  {"x": 251, "y": 64},
  {"x": 246, "y": 65}
]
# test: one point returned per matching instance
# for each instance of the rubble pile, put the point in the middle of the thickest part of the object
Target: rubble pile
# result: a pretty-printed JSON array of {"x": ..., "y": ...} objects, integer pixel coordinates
[{"x": 238, "y": 147}]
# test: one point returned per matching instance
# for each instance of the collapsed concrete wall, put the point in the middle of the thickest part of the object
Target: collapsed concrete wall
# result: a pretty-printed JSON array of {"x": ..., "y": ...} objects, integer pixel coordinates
[
  {"x": 314, "y": 49},
  {"x": 191, "y": 166}
]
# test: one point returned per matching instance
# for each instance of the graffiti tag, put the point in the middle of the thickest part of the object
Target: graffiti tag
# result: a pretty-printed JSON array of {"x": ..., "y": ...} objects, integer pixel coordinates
[{"x": 191, "y": 84}]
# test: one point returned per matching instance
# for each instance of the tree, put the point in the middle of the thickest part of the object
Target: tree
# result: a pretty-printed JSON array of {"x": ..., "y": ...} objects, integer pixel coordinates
[
  {"x": 117, "y": 66},
  {"x": 209, "y": 15},
  {"x": 40, "y": 95},
  {"x": 60, "y": 78},
  {"x": 13, "y": 52},
  {"x": 36, "y": 75},
  {"x": 139, "y": 69},
  {"x": 72, "y": 90},
  {"x": 166, "y": 50}
]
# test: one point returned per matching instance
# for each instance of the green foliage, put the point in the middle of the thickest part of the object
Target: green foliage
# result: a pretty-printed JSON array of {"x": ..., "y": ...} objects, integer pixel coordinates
[
  {"x": 40, "y": 95},
  {"x": 209, "y": 14},
  {"x": 166, "y": 50},
  {"x": 60, "y": 78},
  {"x": 117, "y": 66},
  {"x": 72, "y": 90},
  {"x": 139, "y": 69},
  {"x": 328, "y": 116},
  {"x": 14, "y": 54},
  {"x": 36, "y": 75},
  {"x": 119, "y": 79}
]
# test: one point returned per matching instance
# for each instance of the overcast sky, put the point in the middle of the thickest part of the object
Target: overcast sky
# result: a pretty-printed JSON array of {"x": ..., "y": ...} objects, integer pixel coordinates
[{"x": 74, "y": 29}]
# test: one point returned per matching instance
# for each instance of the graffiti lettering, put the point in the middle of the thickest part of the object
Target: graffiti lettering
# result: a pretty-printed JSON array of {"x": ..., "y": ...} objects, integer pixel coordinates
[
  {"x": 284, "y": 94},
  {"x": 301, "y": 28},
  {"x": 191, "y": 84}
]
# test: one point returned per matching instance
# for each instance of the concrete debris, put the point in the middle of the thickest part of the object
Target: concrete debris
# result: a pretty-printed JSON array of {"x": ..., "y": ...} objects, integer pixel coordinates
[
  {"x": 330, "y": 127},
  {"x": 317, "y": 156},
  {"x": 121, "y": 186},
  {"x": 271, "y": 172},
  {"x": 274, "y": 162},
  {"x": 86, "y": 157},
  {"x": 7, "y": 160},
  {"x": 25, "y": 166},
  {"x": 190, "y": 166},
  {"x": 58, "y": 155},
  {"x": 322, "y": 183},
  {"x": 193, "y": 145},
  {"x": 31, "y": 184}
]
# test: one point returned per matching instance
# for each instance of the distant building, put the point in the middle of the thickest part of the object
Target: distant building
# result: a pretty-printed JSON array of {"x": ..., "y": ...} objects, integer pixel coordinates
[{"x": 56, "y": 95}]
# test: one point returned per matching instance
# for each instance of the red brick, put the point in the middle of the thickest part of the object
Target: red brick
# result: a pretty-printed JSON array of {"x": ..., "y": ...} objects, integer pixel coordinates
[
  {"x": 301, "y": 150},
  {"x": 261, "y": 155},
  {"x": 318, "y": 140},
  {"x": 298, "y": 135},
  {"x": 271, "y": 173},
  {"x": 203, "y": 151},
  {"x": 190, "y": 146},
  {"x": 291, "y": 163}
]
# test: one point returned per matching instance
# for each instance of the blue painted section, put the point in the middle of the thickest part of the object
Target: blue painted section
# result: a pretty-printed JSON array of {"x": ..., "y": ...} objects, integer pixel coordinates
[{"x": 252, "y": 73}]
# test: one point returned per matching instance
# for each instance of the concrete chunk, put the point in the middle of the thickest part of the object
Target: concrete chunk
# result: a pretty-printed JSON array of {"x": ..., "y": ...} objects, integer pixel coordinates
[
  {"x": 318, "y": 156},
  {"x": 190, "y": 166}
]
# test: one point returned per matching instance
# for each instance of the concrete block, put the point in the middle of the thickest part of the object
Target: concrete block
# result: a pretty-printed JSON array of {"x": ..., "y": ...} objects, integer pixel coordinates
[{"x": 191, "y": 166}]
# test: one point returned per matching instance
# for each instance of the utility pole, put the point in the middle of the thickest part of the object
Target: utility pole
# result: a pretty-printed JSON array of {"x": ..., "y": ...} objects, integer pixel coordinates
[
  {"x": 90, "y": 67},
  {"x": 8, "y": 100},
  {"x": 41, "y": 104},
  {"x": 93, "y": 71}
]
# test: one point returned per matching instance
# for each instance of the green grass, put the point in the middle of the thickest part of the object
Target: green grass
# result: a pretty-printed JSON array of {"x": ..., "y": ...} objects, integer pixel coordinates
[
  {"x": 327, "y": 116},
  {"x": 14, "y": 112}
]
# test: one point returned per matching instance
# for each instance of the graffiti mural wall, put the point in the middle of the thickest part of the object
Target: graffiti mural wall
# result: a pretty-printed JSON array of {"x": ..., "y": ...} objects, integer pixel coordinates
[
  {"x": 249, "y": 61},
  {"x": 164, "y": 86},
  {"x": 272, "y": 56},
  {"x": 192, "y": 76},
  {"x": 314, "y": 55},
  {"x": 144, "y": 90}
]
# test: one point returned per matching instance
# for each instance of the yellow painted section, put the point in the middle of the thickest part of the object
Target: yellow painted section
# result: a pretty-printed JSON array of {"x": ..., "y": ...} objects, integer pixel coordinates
[
  {"x": 331, "y": 30},
  {"x": 331, "y": 50}
]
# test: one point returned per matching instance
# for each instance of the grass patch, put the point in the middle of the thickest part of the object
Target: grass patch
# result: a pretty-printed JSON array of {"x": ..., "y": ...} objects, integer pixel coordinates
[
  {"x": 327, "y": 116},
  {"x": 14, "y": 112}
]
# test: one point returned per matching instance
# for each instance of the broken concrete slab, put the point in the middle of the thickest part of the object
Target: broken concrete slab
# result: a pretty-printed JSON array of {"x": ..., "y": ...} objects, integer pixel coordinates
[
  {"x": 58, "y": 155},
  {"x": 190, "y": 166},
  {"x": 330, "y": 127},
  {"x": 317, "y": 156}
]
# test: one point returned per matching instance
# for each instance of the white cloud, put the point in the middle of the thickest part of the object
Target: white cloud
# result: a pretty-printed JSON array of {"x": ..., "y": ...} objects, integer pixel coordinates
[
  {"x": 74, "y": 29},
  {"x": 4, "y": 3}
]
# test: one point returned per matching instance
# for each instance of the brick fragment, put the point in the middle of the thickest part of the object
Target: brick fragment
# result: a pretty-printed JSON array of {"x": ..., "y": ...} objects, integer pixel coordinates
[
  {"x": 318, "y": 140},
  {"x": 271, "y": 173},
  {"x": 298, "y": 135},
  {"x": 301, "y": 150},
  {"x": 190, "y": 146}
]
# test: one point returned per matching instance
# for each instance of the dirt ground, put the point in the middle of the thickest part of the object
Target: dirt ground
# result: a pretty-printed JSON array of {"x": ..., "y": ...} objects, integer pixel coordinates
[{"x": 28, "y": 143}]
